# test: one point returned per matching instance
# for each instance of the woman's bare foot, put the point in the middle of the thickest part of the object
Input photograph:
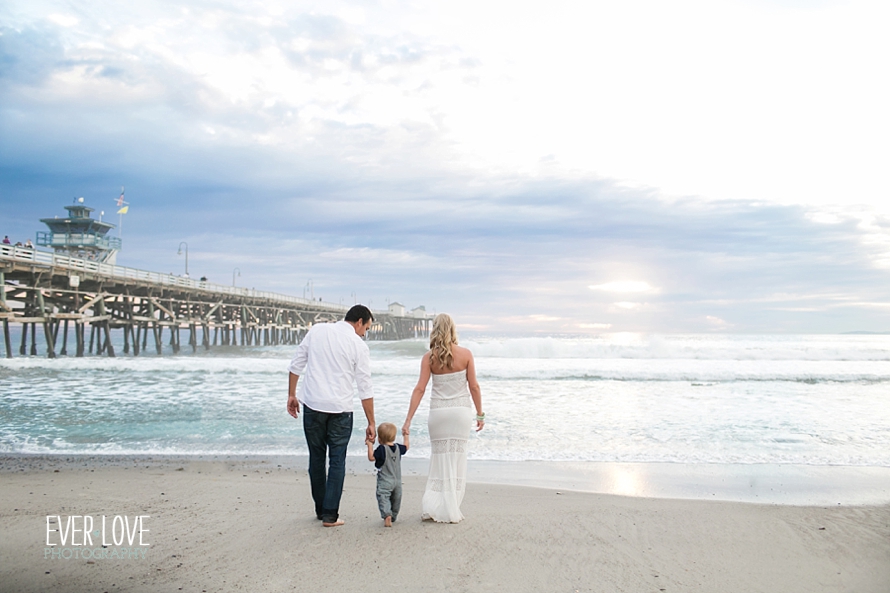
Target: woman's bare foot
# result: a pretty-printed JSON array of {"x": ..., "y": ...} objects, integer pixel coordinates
[
  {"x": 336, "y": 523},
  {"x": 387, "y": 522}
]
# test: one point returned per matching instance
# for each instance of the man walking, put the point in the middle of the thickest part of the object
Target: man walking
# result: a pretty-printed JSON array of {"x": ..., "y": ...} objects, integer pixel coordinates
[{"x": 332, "y": 357}]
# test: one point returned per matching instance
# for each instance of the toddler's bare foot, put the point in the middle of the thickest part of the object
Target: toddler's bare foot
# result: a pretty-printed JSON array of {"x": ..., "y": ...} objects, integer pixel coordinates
[
  {"x": 387, "y": 522},
  {"x": 336, "y": 523}
]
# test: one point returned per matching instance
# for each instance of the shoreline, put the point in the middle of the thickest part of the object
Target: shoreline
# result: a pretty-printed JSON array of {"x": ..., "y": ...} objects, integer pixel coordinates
[
  {"x": 248, "y": 524},
  {"x": 796, "y": 485}
]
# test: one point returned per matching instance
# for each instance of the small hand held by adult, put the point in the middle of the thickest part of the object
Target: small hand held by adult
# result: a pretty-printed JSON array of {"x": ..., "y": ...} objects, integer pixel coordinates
[{"x": 406, "y": 429}]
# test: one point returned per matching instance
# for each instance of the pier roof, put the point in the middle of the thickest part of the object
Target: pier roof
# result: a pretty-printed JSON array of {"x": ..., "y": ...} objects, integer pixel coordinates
[{"x": 78, "y": 220}]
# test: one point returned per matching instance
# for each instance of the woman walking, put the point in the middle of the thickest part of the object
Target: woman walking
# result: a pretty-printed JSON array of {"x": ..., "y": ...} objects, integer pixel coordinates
[{"x": 454, "y": 394}]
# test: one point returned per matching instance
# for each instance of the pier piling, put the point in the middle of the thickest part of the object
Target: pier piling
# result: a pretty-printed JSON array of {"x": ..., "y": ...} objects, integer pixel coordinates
[
  {"x": 64, "y": 351},
  {"x": 47, "y": 330}
]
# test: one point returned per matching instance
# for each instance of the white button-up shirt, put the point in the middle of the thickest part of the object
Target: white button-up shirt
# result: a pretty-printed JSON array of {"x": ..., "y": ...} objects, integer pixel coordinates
[{"x": 330, "y": 359}]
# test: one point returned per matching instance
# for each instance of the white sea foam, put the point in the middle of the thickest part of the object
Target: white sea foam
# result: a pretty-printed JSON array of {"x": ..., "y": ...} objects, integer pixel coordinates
[
  {"x": 688, "y": 347},
  {"x": 149, "y": 364},
  {"x": 568, "y": 370}
]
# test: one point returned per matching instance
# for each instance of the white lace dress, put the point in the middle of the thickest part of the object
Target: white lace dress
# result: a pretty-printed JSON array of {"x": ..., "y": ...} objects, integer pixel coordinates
[{"x": 451, "y": 416}]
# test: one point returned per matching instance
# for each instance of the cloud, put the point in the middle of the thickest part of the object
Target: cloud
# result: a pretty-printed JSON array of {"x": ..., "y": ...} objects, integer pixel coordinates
[
  {"x": 717, "y": 323},
  {"x": 63, "y": 20},
  {"x": 622, "y": 286},
  {"x": 350, "y": 149},
  {"x": 628, "y": 305},
  {"x": 30, "y": 55},
  {"x": 484, "y": 253}
]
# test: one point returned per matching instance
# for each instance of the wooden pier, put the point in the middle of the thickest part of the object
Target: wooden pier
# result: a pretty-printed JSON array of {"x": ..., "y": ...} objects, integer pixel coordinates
[{"x": 78, "y": 305}]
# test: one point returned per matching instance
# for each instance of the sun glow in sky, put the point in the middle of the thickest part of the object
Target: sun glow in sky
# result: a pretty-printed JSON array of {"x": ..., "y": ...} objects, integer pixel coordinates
[
  {"x": 624, "y": 286},
  {"x": 573, "y": 167}
]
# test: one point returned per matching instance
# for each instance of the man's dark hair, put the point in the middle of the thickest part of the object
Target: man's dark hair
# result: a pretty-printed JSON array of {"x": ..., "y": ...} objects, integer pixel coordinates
[{"x": 359, "y": 312}]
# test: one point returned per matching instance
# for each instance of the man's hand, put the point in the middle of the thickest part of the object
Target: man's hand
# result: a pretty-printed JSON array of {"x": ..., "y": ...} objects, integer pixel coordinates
[
  {"x": 293, "y": 406},
  {"x": 370, "y": 433}
]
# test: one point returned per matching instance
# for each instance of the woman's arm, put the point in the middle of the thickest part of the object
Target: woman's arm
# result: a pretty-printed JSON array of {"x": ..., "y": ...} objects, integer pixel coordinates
[
  {"x": 418, "y": 392},
  {"x": 475, "y": 391}
]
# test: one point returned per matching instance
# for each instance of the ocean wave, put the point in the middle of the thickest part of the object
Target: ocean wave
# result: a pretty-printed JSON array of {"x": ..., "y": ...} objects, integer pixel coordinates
[
  {"x": 698, "y": 380},
  {"x": 688, "y": 347},
  {"x": 405, "y": 370},
  {"x": 149, "y": 364},
  {"x": 686, "y": 399}
]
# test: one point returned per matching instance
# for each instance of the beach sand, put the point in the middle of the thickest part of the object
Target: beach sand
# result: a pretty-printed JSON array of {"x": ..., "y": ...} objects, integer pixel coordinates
[{"x": 230, "y": 525}]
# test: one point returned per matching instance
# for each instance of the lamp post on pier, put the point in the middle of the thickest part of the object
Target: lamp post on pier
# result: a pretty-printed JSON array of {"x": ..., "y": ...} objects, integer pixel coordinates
[
  {"x": 238, "y": 270},
  {"x": 179, "y": 252}
]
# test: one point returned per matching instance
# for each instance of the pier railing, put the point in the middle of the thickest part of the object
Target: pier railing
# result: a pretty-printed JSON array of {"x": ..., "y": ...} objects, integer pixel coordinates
[
  {"x": 49, "y": 239},
  {"x": 48, "y": 258}
]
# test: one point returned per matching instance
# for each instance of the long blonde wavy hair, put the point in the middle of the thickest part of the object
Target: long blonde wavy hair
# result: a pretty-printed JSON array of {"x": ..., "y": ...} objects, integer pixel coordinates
[{"x": 442, "y": 338}]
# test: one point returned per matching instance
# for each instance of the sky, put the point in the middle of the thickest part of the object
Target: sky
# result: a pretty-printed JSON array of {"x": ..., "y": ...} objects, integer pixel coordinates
[{"x": 560, "y": 167}]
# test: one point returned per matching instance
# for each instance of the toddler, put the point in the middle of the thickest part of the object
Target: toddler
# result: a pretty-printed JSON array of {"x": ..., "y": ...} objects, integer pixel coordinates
[{"x": 387, "y": 458}]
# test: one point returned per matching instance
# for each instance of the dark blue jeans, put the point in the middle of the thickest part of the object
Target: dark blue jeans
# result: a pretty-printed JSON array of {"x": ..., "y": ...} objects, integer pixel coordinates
[{"x": 327, "y": 435}]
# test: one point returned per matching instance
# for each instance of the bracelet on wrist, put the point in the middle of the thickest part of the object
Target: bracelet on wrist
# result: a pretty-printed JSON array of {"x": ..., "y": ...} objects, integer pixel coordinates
[{"x": 480, "y": 417}]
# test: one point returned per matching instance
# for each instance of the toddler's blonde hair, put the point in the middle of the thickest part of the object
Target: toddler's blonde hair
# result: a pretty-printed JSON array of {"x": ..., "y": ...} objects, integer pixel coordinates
[{"x": 386, "y": 432}]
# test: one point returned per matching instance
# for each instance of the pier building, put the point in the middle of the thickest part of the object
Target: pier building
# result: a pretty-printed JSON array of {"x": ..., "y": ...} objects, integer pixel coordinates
[{"x": 79, "y": 235}]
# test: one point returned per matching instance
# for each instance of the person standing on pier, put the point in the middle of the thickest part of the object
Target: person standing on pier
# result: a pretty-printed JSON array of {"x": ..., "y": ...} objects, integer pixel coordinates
[{"x": 332, "y": 357}]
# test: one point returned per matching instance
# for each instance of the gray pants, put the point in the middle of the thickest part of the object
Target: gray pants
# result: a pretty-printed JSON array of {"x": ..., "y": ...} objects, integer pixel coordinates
[{"x": 389, "y": 498}]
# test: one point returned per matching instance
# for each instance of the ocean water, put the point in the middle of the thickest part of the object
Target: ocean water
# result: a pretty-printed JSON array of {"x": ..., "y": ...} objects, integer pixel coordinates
[{"x": 628, "y": 398}]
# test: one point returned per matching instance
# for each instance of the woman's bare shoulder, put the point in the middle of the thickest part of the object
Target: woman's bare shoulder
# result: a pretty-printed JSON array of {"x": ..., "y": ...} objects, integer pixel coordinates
[
  {"x": 455, "y": 350},
  {"x": 462, "y": 356}
]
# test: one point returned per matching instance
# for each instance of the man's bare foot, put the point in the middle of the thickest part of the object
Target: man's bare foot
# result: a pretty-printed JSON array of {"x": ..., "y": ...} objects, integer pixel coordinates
[
  {"x": 336, "y": 523},
  {"x": 387, "y": 522}
]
